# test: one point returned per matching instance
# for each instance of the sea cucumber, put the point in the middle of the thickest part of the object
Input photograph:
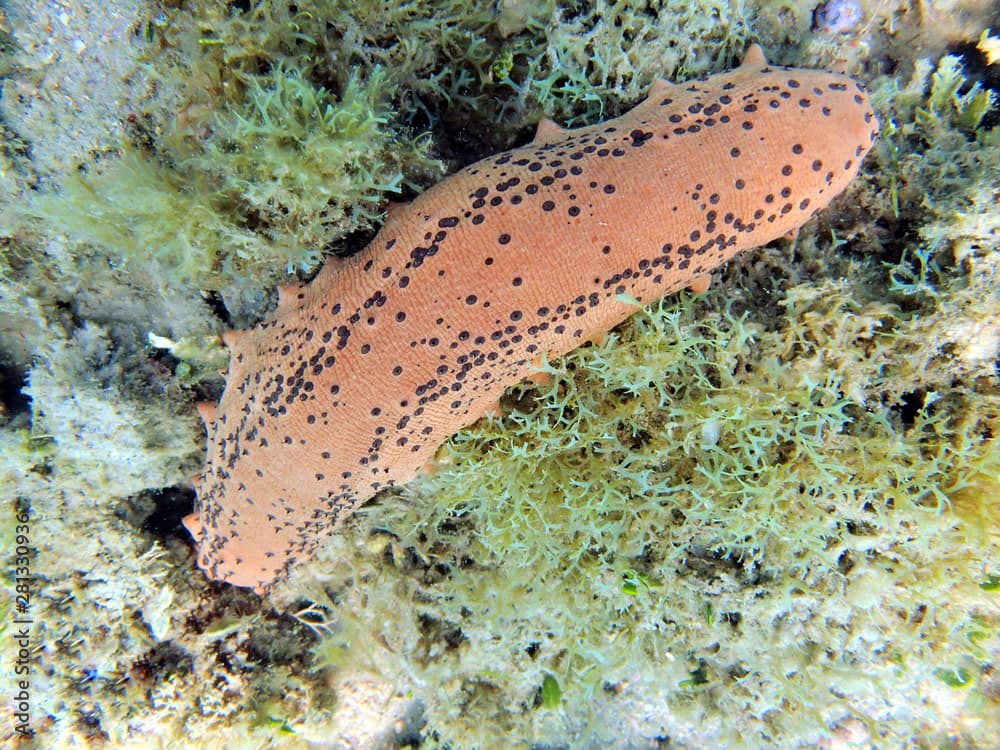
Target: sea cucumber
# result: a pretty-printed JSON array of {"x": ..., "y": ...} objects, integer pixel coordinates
[{"x": 363, "y": 372}]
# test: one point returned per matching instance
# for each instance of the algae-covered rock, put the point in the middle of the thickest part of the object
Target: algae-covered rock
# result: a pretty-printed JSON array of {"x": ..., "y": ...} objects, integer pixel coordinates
[
  {"x": 109, "y": 442},
  {"x": 763, "y": 517}
]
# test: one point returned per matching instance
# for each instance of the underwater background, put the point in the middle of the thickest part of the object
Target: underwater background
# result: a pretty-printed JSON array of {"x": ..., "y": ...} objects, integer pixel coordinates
[{"x": 767, "y": 516}]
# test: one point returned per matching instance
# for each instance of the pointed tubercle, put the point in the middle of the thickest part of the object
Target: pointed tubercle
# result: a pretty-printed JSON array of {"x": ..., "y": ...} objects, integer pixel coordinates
[
  {"x": 288, "y": 296},
  {"x": 548, "y": 131},
  {"x": 232, "y": 338},
  {"x": 192, "y": 522},
  {"x": 701, "y": 284},
  {"x": 754, "y": 57},
  {"x": 661, "y": 87}
]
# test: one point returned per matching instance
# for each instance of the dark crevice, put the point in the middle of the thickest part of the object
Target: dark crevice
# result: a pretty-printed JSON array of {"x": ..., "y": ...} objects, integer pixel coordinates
[
  {"x": 13, "y": 399},
  {"x": 170, "y": 505}
]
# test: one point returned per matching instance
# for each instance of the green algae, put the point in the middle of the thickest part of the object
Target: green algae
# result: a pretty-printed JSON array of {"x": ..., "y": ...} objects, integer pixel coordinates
[{"x": 281, "y": 178}]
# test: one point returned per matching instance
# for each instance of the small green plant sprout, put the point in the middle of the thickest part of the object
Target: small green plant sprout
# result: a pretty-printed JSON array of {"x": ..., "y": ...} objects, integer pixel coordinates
[
  {"x": 956, "y": 677},
  {"x": 709, "y": 613},
  {"x": 633, "y": 582},
  {"x": 979, "y": 640},
  {"x": 990, "y": 583},
  {"x": 280, "y": 725},
  {"x": 274, "y": 724},
  {"x": 551, "y": 692}
]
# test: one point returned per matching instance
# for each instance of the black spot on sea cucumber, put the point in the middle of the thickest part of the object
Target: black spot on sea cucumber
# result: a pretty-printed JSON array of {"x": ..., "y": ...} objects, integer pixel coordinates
[{"x": 639, "y": 137}]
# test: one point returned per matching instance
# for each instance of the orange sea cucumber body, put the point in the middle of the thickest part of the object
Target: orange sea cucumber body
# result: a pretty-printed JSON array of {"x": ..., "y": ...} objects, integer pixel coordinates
[{"x": 366, "y": 370}]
